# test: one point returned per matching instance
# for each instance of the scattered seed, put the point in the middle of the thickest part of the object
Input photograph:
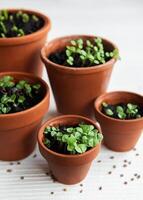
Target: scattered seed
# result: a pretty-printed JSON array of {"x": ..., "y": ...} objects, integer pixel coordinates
[
  {"x": 99, "y": 161},
  {"x": 64, "y": 189},
  {"x": 132, "y": 179},
  {"x": 135, "y": 174},
  {"x": 11, "y": 163},
  {"x": 121, "y": 175},
  {"x": 114, "y": 166},
  {"x": 53, "y": 178},
  {"x": 125, "y": 183},
  {"x": 111, "y": 157},
  {"x": 18, "y": 163},
  {"x": 134, "y": 149},
  {"x": 125, "y": 161},
  {"x": 137, "y": 154},
  {"x": 138, "y": 177},
  {"x": 9, "y": 170},
  {"x": 129, "y": 162},
  {"x": 100, "y": 188},
  {"x": 124, "y": 165},
  {"x": 52, "y": 192},
  {"x": 47, "y": 173},
  {"x": 22, "y": 177},
  {"x": 81, "y": 191},
  {"x": 81, "y": 185},
  {"x": 35, "y": 155},
  {"x": 109, "y": 172}
]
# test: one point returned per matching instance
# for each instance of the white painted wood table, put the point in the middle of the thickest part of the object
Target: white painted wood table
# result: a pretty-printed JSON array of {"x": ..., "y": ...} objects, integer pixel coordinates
[{"x": 112, "y": 175}]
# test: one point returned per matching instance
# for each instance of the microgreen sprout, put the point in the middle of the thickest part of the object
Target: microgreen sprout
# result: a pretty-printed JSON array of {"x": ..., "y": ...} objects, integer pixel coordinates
[
  {"x": 19, "y": 23},
  {"x": 72, "y": 140},
  {"x": 88, "y": 53},
  {"x": 122, "y": 111},
  {"x": 17, "y": 96}
]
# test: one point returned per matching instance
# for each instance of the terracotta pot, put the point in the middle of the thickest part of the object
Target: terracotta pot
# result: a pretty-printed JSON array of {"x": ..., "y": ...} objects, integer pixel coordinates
[
  {"x": 18, "y": 131},
  {"x": 23, "y": 53},
  {"x": 68, "y": 169},
  {"x": 75, "y": 89},
  {"x": 119, "y": 135}
]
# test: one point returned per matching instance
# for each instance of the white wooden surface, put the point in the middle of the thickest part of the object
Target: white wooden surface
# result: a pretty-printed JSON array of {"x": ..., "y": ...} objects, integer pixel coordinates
[{"x": 120, "y": 21}]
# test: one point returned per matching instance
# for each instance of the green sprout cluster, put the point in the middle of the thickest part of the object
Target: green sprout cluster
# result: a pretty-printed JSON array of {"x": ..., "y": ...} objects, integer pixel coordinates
[
  {"x": 88, "y": 52},
  {"x": 14, "y": 95},
  {"x": 8, "y": 22},
  {"x": 72, "y": 140},
  {"x": 127, "y": 111}
]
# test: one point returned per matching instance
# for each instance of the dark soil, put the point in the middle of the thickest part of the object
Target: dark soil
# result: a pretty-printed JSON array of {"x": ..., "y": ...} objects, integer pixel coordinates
[
  {"x": 61, "y": 57},
  {"x": 30, "y": 101},
  {"x": 29, "y": 27}
]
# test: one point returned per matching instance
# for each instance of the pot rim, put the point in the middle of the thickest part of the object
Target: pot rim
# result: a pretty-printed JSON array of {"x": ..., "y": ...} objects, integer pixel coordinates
[
  {"x": 40, "y": 136},
  {"x": 30, "y": 37},
  {"x": 98, "y": 100},
  {"x": 76, "y": 69},
  {"x": 30, "y": 76}
]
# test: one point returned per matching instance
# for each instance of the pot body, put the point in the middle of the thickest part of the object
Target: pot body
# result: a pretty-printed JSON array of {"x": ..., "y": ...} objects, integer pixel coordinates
[
  {"x": 75, "y": 89},
  {"x": 18, "y": 131},
  {"x": 119, "y": 135},
  {"x": 68, "y": 169},
  {"x": 23, "y": 53}
]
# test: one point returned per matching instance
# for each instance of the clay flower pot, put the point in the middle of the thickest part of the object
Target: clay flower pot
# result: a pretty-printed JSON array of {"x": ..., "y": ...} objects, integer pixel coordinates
[
  {"x": 68, "y": 169},
  {"x": 75, "y": 89},
  {"x": 18, "y": 131},
  {"x": 23, "y": 53},
  {"x": 119, "y": 135}
]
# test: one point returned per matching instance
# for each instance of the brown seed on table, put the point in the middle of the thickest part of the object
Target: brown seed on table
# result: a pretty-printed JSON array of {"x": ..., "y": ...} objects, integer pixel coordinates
[
  {"x": 138, "y": 177},
  {"x": 81, "y": 185},
  {"x": 47, "y": 173},
  {"x": 81, "y": 191},
  {"x": 137, "y": 154},
  {"x": 114, "y": 166},
  {"x": 52, "y": 192},
  {"x": 99, "y": 161},
  {"x": 64, "y": 189},
  {"x": 111, "y": 157},
  {"x": 18, "y": 163},
  {"x": 134, "y": 149},
  {"x": 132, "y": 179},
  {"x": 129, "y": 162},
  {"x": 124, "y": 165},
  {"x": 100, "y": 188},
  {"x": 11, "y": 163},
  {"x": 35, "y": 155},
  {"x": 125, "y": 183},
  {"x": 22, "y": 177},
  {"x": 121, "y": 175},
  {"x": 135, "y": 174},
  {"x": 109, "y": 172},
  {"x": 9, "y": 170},
  {"x": 125, "y": 161}
]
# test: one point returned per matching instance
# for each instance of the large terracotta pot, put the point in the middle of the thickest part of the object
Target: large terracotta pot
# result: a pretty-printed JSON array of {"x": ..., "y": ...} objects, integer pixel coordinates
[
  {"x": 23, "y": 53},
  {"x": 68, "y": 169},
  {"x": 75, "y": 89},
  {"x": 119, "y": 135},
  {"x": 18, "y": 131}
]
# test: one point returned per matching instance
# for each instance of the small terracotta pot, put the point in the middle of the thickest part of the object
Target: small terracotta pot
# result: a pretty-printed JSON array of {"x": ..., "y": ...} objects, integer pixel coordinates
[
  {"x": 68, "y": 169},
  {"x": 23, "y": 53},
  {"x": 76, "y": 88},
  {"x": 119, "y": 135},
  {"x": 18, "y": 131}
]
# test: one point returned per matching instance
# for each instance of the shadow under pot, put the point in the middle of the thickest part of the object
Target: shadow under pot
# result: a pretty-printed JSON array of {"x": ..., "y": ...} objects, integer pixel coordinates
[
  {"x": 74, "y": 87},
  {"x": 21, "y": 52},
  {"x": 68, "y": 168},
  {"x": 120, "y": 134},
  {"x": 18, "y": 130}
]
